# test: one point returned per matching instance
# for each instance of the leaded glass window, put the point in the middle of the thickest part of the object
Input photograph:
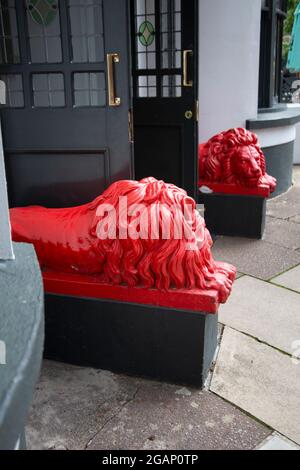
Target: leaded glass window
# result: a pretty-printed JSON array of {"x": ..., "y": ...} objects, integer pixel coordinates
[
  {"x": 89, "y": 89},
  {"x": 147, "y": 86},
  {"x": 48, "y": 90},
  {"x": 44, "y": 31},
  {"x": 13, "y": 90},
  {"x": 86, "y": 20},
  {"x": 146, "y": 34},
  {"x": 170, "y": 27},
  {"x": 9, "y": 42},
  {"x": 158, "y": 48}
]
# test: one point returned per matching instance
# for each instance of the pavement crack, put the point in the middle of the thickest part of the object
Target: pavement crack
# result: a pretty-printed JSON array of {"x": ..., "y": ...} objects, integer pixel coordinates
[
  {"x": 261, "y": 341},
  {"x": 131, "y": 399}
]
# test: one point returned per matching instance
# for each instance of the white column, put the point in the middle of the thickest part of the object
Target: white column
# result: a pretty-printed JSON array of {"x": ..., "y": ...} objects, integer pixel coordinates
[{"x": 6, "y": 250}]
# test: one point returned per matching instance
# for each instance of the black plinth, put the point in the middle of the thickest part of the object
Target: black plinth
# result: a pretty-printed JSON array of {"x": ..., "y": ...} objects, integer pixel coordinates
[
  {"x": 235, "y": 215},
  {"x": 160, "y": 343}
]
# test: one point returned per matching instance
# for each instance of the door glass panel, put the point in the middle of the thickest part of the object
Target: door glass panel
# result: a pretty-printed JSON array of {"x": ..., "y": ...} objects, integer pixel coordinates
[
  {"x": 9, "y": 42},
  {"x": 158, "y": 48},
  {"x": 44, "y": 32},
  {"x": 86, "y": 19},
  {"x": 147, "y": 86},
  {"x": 145, "y": 34},
  {"x": 89, "y": 89},
  {"x": 48, "y": 90},
  {"x": 14, "y": 90},
  {"x": 171, "y": 86},
  {"x": 170, "y": 26}
]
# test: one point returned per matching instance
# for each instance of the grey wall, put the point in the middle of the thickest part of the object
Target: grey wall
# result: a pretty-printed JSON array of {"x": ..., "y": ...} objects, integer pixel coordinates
[
  {"x": 22, "y": 331},
  {"x": 279, "y": 160},
  {"x": 228, "y": 64}
]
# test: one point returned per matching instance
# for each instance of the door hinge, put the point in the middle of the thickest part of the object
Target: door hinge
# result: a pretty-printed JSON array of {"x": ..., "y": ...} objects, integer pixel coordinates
[
  {"x": 197, "y": 110},
  {"x": 130, "y": 127}
]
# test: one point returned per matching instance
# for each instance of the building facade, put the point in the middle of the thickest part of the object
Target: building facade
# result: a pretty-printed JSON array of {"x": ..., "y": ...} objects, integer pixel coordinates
[{"x": 100, "y": 90}]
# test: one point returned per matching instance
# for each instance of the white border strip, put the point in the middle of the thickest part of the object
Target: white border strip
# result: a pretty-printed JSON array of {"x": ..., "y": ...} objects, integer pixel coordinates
[
  {"x": 273, "y": 136},
  {"x": 6, "y": 250}
]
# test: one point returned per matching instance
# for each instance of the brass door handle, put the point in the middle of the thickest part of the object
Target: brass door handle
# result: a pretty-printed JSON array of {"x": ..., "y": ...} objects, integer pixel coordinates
[
  {"x": 186, "y": 82},
  {"x": 112, "y": 59}
]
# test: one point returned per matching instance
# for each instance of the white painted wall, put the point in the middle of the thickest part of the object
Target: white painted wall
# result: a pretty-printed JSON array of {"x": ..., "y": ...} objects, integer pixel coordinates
[
  {"x": 297, "y": 146},
  {"x": 297, "y": 141},
  {"x": 273, "y": 136},
  {"x": 229, "y": 43}
]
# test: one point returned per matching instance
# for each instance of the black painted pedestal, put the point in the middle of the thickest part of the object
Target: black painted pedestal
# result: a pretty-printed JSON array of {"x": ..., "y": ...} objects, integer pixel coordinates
[
  {"x": 143, "y": 340},
  {"x": 235, "y": 215}
]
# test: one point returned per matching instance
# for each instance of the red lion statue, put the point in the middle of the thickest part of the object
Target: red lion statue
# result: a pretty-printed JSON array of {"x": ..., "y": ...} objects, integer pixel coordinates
[
  {"x": 72, "y": 239},
  {"x": 234, "y": 157}
]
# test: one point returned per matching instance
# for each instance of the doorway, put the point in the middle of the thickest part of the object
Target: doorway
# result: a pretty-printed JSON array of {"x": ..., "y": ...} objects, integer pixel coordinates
[{"x": 165, "y": 90}]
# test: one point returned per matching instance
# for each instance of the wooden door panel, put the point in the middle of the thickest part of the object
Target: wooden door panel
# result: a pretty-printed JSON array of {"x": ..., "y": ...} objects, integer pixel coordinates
[{"x": 61, "y": 178}]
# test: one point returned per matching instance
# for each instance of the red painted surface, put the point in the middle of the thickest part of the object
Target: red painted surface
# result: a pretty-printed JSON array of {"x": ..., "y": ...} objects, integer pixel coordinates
[
  {"x": 233, "y": 163},
  {"x": 67, "y": 241},
  {"x": 90, "y": 287}
]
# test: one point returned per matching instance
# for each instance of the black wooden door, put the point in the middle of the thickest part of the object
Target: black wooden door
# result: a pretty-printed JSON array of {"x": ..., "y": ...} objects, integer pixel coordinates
[
  {"x": 65, "y": 64},
  {"x": 164, "y": 46}
]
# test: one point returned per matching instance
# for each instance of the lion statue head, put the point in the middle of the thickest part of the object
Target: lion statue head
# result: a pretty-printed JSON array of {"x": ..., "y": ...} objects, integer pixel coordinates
[
  {"x": 234, "y": 157},
  {"x": 137, "y": 233}
]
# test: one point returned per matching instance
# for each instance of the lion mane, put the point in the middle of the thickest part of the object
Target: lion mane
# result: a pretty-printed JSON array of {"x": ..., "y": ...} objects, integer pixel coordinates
[
  {"x": 216, "y": 156},
  {"x": 68, "y": 240}
]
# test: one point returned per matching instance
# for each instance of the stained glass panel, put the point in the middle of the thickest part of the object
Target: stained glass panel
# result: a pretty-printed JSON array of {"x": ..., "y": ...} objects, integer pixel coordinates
[
  {"x": 44, "y": 31},
  {"x": 170, "y": 26},
  {"x": 145, "y": 34},
  {"x": 171, "y": 86}
]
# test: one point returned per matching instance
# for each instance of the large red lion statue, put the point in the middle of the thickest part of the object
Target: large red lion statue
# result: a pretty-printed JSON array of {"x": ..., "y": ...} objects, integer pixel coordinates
[
  {"x": 71, "y": 239},
  {"x": 234, "y": 157}
]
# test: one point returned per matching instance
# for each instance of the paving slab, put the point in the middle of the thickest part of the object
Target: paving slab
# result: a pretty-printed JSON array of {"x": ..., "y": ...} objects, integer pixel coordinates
[
  {"x": 295, "y": 220},
  {"x": 296, "y": 175},
  {"x": 289, "y": 279},
  {"x": 264, "y": 311},
  {"x": 282, "y": 232},
  {"x": 285, "y": 206},
  {"x": 260, "y": 380},
  {"x": 164, "y": 417},
  {"x": 278, "y": 442},
  {"x": 71, "y": 404},
  {"x": 82, "y": 408},
  {"x": 257, "y": 258}
]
